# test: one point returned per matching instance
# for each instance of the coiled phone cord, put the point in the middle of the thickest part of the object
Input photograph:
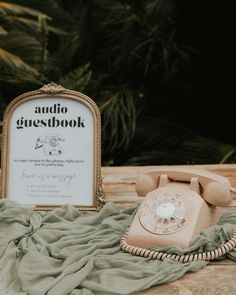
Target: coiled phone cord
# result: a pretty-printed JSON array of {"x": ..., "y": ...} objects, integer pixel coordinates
[
  {"x": 233, "y": 190},
  {"x": 206, "y": 256}
]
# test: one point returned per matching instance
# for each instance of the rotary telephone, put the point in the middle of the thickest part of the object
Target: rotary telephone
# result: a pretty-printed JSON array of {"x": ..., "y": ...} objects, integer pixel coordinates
[
  {"x": 179, "y": 203},
  {"x": 50, "y": 144}
]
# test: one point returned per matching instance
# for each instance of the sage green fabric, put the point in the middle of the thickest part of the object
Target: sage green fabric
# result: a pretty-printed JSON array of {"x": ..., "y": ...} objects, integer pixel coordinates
[{"x": 66, "y": 252}]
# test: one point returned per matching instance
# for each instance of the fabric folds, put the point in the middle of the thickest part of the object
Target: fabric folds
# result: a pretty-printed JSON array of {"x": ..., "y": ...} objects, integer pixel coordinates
[{"x": 66, "y": 252}]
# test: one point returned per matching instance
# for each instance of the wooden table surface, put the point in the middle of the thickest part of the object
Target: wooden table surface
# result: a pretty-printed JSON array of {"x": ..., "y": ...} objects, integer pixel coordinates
[{"x": 218, "y": 278}]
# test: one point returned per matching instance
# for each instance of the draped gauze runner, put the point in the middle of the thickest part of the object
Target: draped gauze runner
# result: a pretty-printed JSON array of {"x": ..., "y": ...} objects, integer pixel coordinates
[{"x": 67, "y": 252}]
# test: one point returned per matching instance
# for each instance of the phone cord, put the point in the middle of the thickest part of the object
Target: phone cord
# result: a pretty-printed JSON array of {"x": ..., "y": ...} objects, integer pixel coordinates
[{"x": 207, "y": 256}]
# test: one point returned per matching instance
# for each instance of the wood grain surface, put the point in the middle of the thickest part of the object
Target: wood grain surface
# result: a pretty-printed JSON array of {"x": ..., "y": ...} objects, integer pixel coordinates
[{"x": 218, "y": 278}]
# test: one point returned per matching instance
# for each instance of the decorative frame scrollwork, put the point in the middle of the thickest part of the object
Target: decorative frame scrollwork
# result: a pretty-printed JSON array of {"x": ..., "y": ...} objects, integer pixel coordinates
[{"x": 56, "y": 91}]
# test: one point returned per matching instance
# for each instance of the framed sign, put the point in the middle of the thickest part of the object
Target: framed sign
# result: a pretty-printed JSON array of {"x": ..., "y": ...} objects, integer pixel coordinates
[{"x": 51, "y": 150}]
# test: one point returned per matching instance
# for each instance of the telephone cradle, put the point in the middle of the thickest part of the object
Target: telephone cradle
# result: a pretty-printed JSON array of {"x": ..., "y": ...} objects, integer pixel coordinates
[{"x": 179, "y": 203}]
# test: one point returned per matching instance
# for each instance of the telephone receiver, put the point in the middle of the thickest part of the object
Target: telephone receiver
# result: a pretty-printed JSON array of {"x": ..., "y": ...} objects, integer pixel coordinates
[
  {"x": 215, "y": 189},
  {"x": 179, "y": 203}
]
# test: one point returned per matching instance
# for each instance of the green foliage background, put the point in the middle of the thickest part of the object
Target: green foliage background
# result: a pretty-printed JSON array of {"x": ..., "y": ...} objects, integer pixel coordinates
[{"x": 129, "y": 56}]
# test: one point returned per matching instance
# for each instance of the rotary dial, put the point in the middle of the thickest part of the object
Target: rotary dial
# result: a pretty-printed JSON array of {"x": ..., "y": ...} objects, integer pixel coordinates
[
  {"x": 164, "y": 213},
  {"x": 53, "y": 141}
]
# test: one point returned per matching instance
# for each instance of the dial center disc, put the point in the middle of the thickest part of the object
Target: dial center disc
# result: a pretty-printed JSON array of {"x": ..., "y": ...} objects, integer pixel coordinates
[{"x": 165, "y": 210}]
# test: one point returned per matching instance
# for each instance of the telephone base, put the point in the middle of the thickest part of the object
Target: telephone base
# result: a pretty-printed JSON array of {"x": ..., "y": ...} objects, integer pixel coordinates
[{"x": 156, "y": 225}]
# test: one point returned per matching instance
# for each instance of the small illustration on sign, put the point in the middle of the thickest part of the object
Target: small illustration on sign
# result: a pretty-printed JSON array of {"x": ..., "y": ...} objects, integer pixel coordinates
[{"x": 50, "y": 143}]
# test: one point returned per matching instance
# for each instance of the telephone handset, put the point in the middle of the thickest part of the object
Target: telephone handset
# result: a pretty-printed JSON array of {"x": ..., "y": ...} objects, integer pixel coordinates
[{"x": 179, "y": 203}]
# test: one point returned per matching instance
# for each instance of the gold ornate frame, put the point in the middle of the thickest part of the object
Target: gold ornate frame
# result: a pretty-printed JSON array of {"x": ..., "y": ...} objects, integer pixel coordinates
[{"x": 51, "y": 90}]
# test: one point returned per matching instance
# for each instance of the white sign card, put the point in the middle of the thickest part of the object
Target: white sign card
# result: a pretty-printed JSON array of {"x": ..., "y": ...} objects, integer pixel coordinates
[{"x": 51, "y": 149}]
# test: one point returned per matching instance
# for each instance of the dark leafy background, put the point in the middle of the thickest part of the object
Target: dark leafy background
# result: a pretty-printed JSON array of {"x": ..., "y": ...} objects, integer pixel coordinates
[{"x": 159, "y": 70}]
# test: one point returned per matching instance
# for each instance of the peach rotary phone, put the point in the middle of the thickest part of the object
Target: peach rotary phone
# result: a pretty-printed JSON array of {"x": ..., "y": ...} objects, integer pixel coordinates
[{"x": 179, "y": 203}]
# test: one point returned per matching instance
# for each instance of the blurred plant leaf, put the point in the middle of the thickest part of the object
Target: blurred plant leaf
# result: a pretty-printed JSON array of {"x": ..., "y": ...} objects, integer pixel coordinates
[
  {"x": 159, "y": 142},
  {"x": 3, "y": 32},
  {"x": 29, "y": 49},
  {"x": 58, "y": 16},
  {"x": 129, "y": 56},
  {"x": 25, "y": 61},
  {"x": 15, "y": 63},
  {"x": 119, "y": 118},
  {"x": 78, "y": 79},
  {"x": 10, "y": 8},
  {"x": 24, "y": 24}
]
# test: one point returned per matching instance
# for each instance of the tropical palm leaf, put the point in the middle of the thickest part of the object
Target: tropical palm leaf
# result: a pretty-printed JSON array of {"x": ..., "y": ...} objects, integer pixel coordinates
[
  {"x": 29, "y": 49},
  {"x": 129, "y": 56},
  {"x": 10, "y": 8},
  {"x": 77, "y": 79},
  {"x": 59, "y": 17},
  {"x": 146, "y": 39},
  {"x": 3, "y": 32},
  {"x": 15, "y": 63},
  {"x": 119, "y": 118},
  {"x": 31, "y": 25},
  {"x": 19, "y": 17},
  {"x": 159, "y": 142},
  {"x": 22, "y": 80},
  {"x": 24, "y": 60},
  {"x": 21, "y": 61}
]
